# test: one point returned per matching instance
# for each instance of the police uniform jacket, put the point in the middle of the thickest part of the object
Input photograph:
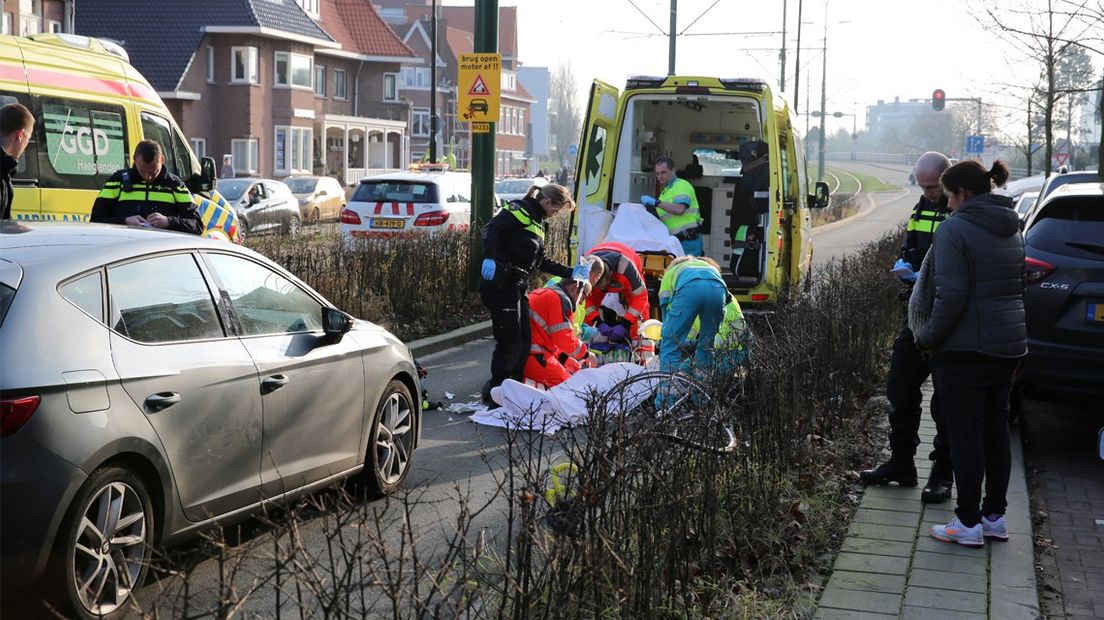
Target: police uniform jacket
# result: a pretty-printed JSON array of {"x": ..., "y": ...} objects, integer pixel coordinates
[
  {"x": 926, "y": 217},
  {"x": 126, "y": 193},
  {"x": 514, "y": 239}
]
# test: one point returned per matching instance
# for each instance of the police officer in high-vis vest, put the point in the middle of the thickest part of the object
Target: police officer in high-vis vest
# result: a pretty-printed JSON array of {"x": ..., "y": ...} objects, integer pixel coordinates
[
  {"x": 146, "y": 194},
  {"x": 908, "y": 368},
  {"x": 677, "y": 207},
  {"x": 513, "y": 248}
]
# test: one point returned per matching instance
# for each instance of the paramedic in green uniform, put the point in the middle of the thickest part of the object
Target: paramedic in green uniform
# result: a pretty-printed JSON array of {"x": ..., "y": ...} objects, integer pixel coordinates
[{"x": 677, "y": 207}]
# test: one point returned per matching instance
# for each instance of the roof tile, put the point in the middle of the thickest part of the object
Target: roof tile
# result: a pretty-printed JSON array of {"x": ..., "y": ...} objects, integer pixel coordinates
[{"x": 357, "y": 26}]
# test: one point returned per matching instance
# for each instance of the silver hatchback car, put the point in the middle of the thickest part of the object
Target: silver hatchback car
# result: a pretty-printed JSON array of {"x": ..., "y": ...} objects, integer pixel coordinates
[{"x": 156, "y": 383}]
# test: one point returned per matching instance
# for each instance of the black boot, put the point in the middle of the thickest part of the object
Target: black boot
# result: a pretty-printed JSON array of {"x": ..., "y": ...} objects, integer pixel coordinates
[
  {"x": 486, "y": 394},
  {"x": 938, "y": 488},
  {"x": 894, "y": 470}
]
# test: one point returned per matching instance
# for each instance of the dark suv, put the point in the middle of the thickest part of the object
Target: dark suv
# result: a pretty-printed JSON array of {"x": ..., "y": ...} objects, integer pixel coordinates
[{"x": 1064, "y": 296}]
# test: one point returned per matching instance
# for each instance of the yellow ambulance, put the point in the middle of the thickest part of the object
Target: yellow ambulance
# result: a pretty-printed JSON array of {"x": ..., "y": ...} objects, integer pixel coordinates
[
  {"x": 737, "y": 144},
  {"x": 91, "y": 109}
]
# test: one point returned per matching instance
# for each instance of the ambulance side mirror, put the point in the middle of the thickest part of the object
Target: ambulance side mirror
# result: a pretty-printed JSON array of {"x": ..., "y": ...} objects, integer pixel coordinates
[
  {"x": 207, "y": 174},
  {"x": 819, "y": 199}
]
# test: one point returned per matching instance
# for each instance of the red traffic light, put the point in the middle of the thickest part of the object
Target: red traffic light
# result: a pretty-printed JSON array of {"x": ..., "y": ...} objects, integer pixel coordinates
[{"x": 939, "y": 99}]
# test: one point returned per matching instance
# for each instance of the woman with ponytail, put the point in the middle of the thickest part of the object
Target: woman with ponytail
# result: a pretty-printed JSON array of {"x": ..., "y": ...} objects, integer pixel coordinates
[
  {"x": 513, "y": 248},
  {"x": 967, "y": 310}
]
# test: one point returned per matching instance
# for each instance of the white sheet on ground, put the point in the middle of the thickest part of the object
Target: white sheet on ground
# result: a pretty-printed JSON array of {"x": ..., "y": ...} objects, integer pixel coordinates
[
  {"x": 641, "y": 231},
  {"x": 527, "y": 408}
]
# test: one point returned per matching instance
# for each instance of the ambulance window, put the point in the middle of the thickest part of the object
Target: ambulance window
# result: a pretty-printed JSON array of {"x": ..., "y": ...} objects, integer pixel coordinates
[
  {"x": 185, "y": 162},
  {"x": 85, "y": 143},
  {"x": 787, "y": 170},
  {"x": 27, "y": 161},
  {"x": 157, "y": 129}
]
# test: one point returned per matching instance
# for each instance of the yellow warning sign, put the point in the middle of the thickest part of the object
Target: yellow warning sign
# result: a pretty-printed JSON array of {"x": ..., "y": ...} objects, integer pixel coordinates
[
  {"x": 479, "y": 79},
  {"x": 478, "y": 127}
]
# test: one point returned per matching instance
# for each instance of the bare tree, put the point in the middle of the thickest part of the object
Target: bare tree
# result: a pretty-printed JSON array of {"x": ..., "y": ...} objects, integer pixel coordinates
[
  {"x": 1049, "y": 36},
  {"x": 567, "y": 116}
]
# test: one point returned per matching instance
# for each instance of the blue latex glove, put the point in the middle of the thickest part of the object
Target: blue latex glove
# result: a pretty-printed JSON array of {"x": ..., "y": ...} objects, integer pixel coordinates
[
  {"x": 581, "y": 273},
  {"x": 488, "y": 269},
  {"x": 908, "y": 277},
  {"x": 588, "y": 332},
  {"x": 648, "y": 201},
  {"x": 604, "y": 329},
  {"x": 619, "y": 332}
]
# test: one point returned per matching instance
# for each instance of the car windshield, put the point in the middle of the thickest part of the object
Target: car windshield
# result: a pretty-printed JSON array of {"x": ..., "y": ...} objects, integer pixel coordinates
[
  {"x": 301, "y": 186},
  {"x": 1025, "y": 204},
  {"x": 396, "y": 191},
  {"x": 232, "y": 189},
  {"x": 514, "y": 186}
]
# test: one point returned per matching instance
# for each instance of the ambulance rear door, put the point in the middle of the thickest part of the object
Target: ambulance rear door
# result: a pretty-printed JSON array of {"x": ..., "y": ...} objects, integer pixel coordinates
[{"x": 593, "y": 170}]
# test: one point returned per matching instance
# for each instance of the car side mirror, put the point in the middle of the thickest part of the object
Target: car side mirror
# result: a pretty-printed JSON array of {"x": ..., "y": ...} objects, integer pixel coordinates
[
  {"x": 820, "y": 198},
  {"x": 1100, "y": 444},
  {"x": 335, "y": 323}
]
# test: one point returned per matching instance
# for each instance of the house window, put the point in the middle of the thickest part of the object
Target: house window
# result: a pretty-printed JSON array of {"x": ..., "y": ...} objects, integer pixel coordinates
[
  {"x": 521, "y": 122},
  {"x": 245, "y": 152},
  {"x": 294, "y": 148},
  {"x": 294, "y": 70},
  {"x": 30, "y": 17},
  {"x": 9, "y": 23},
  {"x": 310, "y": 7},
  {"x": 419, "y": 125},
  {"x": 510, "y": 81},
  {"x": 416, "y": 77},
  {"x": 210, "y": 64},
  {"x": 244, "y": 65},
  {"x": 199, "y": 147},
  {"x": 320, "y": 80},
  {"x": 339, "y": 84},
  {"x": 390, "y": 87}
]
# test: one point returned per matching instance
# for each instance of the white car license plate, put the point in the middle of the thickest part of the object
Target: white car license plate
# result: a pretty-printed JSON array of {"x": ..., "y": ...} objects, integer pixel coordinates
[{"x": 388, "y": 222}]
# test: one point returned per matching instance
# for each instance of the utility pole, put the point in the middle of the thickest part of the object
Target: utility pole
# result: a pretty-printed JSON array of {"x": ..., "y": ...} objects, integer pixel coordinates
[
  {"x": 671, "y": 38},
  {"x": 782, "y": 54},
  {"x": 823, "y": 95},
  {"x": 483, "y": 144},
  {"x": 1030, "y": 151},
  {"x": 797, "y": 65},
  {"x": 433, "y": 86}
]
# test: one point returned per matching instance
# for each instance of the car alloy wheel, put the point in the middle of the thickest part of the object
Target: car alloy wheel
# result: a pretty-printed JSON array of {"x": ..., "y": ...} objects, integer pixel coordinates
[
  {"x": 392, "y": 440},
  {"x": 316, "y": 216},
  {"x": 109, "y": 543}
]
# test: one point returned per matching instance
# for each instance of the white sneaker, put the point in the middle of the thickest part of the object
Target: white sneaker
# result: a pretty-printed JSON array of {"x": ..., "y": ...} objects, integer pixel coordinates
[
  {"x": 994, "y": 529},
  {"x": 956, "y": 532}
]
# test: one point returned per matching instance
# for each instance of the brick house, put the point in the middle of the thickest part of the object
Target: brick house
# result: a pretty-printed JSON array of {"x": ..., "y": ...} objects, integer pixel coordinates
[
  {"x": 281, "y": 86},
  {"x": 24, "y": 17},
  {"x": 455, "y": 25}
]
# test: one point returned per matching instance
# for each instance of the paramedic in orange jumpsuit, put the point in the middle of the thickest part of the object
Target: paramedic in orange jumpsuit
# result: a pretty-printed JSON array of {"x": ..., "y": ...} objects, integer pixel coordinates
[
  {"x": 556, "y": 352},
  {"x": 624, "y": 275}
]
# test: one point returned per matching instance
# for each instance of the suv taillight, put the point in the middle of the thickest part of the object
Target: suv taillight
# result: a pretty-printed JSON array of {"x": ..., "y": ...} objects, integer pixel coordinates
[
  {"x": 432, "y": 218},
  {"x": 1035, "y": 270},
  {"x": 15, "y": 413},
  {"x": 348, "y": 216}
]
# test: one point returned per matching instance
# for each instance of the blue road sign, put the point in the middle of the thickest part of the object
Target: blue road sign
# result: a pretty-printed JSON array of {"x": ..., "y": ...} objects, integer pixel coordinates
[
  {"x": 975, "y": 145},
  {"x": 573, "y": 150}
]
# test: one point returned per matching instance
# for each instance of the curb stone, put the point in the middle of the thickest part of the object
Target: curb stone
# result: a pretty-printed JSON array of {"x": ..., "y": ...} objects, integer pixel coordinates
[{"x": 433, "y": 344}]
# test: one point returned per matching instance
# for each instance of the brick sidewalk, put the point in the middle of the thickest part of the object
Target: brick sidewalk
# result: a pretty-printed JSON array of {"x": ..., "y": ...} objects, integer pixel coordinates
[{"x": 890, "y": 566}]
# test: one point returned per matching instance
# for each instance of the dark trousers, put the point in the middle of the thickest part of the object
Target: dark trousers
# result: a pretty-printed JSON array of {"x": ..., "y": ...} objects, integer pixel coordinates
[
  {"x": 974, "y": 392},
  {"x": 509, "y": 308},
  {"x": 908, "y": 370}
]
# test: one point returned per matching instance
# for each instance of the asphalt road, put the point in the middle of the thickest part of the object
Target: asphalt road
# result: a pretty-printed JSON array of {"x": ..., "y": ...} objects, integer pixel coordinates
[{"x": 459, "y": 457}]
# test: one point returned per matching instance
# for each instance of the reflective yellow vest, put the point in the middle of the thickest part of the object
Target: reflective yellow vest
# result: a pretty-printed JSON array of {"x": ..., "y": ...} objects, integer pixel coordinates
[{"x": 690, "y": 219}]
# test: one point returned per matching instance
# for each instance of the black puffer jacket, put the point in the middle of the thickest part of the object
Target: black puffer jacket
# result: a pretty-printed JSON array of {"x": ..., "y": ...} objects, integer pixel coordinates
[{"x": 977, "y": 302}]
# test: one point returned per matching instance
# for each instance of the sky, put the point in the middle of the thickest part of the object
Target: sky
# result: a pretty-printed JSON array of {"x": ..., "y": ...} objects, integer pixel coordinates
[{"x": 876, "y": 49}]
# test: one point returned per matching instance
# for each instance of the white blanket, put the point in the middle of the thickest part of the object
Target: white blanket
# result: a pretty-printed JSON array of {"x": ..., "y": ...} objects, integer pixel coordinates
[
  {"x": 547, "y": 411},
  {"x": 641, "y": 231}
]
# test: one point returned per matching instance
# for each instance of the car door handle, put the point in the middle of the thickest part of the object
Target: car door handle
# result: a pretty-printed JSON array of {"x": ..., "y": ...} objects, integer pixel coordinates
[
  {"x": 273, "y": 383},
  {"x": 161, "y": 400}
]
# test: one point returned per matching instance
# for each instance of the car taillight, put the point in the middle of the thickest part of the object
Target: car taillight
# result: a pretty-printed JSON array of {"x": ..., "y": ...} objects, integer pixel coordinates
[
  {"x": 432, "y": 218},
  {"x": 15, "y": 413},
  {"x": 1035, "y": 270},
  {"x": 760, "y": 297},
  {"x": 348, "y": 216}
]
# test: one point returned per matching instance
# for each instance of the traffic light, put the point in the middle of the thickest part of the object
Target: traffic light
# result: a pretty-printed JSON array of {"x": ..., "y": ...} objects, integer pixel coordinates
[{"x": 939, "y": 100}]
